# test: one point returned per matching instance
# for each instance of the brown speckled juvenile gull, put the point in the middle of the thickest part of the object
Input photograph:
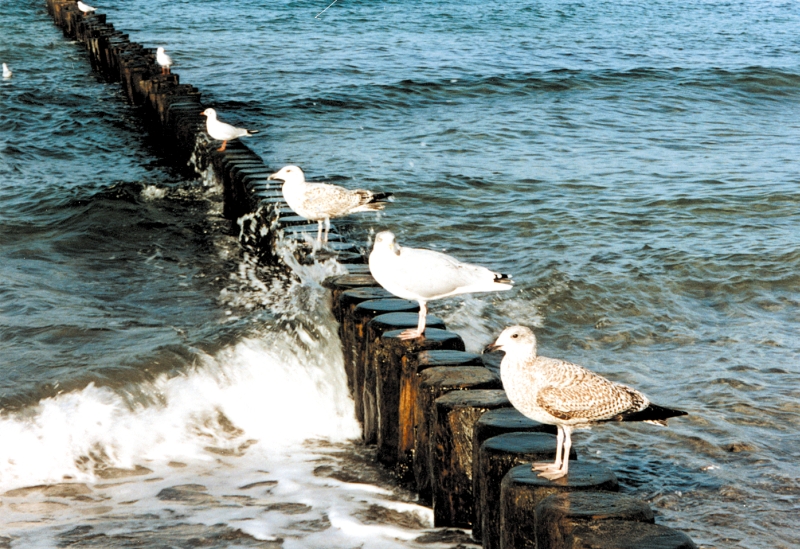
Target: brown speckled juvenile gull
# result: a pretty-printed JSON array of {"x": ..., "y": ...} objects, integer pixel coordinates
[
  {"x": 423, "y": 275},
  {"x": 321, "y": 201},
  {"x": 556, "y": 392}
]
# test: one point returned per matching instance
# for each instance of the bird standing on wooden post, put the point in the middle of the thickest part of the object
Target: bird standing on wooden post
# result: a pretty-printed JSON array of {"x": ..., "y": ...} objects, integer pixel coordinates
[
  {"x": 556, "y": 392},
  {"x": 222, "y": 131},
  {"x": 321, "y": 201},
  {"x": 86, "y": 9},
  {"x": 423, "y": 275},
  {"x": 163, "y": 60}
]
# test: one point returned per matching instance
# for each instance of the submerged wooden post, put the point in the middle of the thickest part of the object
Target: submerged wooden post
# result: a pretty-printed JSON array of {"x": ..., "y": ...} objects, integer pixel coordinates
[
  {"x": 496, "y": 456},
  {"x": 522, "y": 489},
  {"x": 557, "y": 516},
  {"x": 451, "y": 452},
  {"x": 431, "y": 384},
  {"x": 492, "y": 424}
]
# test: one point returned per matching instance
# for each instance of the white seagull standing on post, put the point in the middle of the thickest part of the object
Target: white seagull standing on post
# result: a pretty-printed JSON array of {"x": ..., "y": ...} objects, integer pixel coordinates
[
  {"x": 423, "y": 275},
  {"x": 556, "y": 392},
  {"x": 321, "y": 201},
  {"x": 222, "y": 131},
  {"x": 163, "y": 60},
  {"x": 85, "y": 8}
]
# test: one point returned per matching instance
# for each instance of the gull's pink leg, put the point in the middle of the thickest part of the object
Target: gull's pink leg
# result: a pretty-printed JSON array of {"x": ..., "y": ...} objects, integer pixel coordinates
[
  {"x": 555, "y": 466},
  {"x": 562, "y": 472},
  {"x": 413, "y": 334}
]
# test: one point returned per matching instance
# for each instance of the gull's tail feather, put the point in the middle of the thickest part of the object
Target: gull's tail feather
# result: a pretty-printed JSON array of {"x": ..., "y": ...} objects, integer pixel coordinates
[
  {"x": 383, "y": 197},
  {"x": 657, "y": 415},
  {"x": 501, "y": 278},
  {"x": 252, "y": 132},
  {"x": 372, "y": 202}
]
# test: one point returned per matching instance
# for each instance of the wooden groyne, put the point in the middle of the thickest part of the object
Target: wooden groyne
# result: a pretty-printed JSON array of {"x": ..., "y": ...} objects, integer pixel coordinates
[{"x": 437, "y": 415}]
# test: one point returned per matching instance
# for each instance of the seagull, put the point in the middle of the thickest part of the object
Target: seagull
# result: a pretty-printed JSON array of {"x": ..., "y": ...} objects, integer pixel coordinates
[
  {"x": 221, "y": 130},
  {"x": 164, "y": 60},
  {"x": 423, "y": 275},
  {"x": 321, "y": 201},
  {"x": 556, "y": 392},
  {"x": 6, "y": 71},
  {"x": 85, "y": 8}
]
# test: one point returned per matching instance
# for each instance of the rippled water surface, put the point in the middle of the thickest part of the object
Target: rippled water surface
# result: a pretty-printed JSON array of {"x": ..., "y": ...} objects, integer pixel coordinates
[{"x": 632, "y": 164}]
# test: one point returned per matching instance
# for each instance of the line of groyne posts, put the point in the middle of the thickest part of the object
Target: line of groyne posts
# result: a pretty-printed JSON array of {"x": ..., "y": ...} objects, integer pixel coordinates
[{"x": 437, "y": 415}]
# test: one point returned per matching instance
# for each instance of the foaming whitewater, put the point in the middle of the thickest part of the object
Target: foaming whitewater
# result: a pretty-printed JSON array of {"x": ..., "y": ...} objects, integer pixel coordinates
[{"x": 253, "y": 443}]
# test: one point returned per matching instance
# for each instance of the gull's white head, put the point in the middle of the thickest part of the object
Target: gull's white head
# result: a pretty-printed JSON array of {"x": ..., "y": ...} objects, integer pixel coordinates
[
  {"x": 6, "y": 71},
  {"x": 289, "y": 174},
  {"x": 385, "y": 240},
  {"x": 211, "y": 113},
  {"x": 159, "y": 50},
  {"x": 515, "y": 341}
]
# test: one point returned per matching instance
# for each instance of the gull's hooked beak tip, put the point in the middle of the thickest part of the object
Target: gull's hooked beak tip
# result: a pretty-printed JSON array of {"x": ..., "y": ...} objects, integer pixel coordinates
[
  {"x": 272, "y": 175},
  {"x": 491, "y": 348}
]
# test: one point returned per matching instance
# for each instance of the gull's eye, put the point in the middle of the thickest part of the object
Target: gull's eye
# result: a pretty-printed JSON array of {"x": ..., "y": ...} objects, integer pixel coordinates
[{"x": 515, "y": 336}]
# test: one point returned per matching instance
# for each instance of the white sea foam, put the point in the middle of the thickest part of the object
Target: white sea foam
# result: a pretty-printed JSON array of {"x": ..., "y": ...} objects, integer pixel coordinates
[{"x": 245, "y": 438}]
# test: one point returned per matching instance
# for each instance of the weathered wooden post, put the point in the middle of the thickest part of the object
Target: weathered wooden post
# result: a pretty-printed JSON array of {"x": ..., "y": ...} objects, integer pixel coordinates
[
  {"x": 492, "y": 424},
  {"x": 351, "y": 323},
  {"x": 496, "y": 456},
  {"x": 454, "y": 418},
  {"x": 342, "y": 283},
  {"x": 362, "y": 314},
  {"x": 522, "y": 489},
  {"x": 431, "y": 384},
  {"x": 557, "y": 516},
  {"x": 395, "y": 362},
  {"x": 373, "y": 341}
]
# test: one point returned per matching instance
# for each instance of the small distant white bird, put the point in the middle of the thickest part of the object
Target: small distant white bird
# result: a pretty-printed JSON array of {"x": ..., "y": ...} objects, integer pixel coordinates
[
  {"x": 163, "y": 60},
  {"x": 85, "y": 8},
  {"x": 221, "y": 130},
  {"x": 424, "y": 275},
  {"x": 321, "y": 201},
  {"x": 6, "y": 71},
  {"x": 556, "y": 392}
]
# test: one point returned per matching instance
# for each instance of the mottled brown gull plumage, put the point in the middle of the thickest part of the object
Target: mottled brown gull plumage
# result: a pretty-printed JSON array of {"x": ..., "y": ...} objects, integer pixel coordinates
[
  {"x": 556, "y": 392},
  {"x": 321, "y": 201}
]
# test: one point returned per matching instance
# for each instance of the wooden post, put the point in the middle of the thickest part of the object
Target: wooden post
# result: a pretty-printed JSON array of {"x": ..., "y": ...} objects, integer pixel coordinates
[
  {"x": 491, "y": 424},
  {"x": 522, "y": 489},
  {"x": 350, "y": 333},
  {"x": 454, "y": 419},
  {"x": 436, "y": 358},
  {"x": 362, "y": 314},
  {"x": 431, "y": 384},
  {"x": 556, "y": 516},
  {"x": 375, "y": 330},
  {"x": 341, "y": 283},
  {"x": 626, "y": 534},
  {"x": 496, "y": 456},
  {"x": 395, "y": 362}
]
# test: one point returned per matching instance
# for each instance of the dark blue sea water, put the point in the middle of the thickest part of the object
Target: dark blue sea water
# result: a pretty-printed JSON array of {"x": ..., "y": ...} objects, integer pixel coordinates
[{"x": 632, "y": 164}]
